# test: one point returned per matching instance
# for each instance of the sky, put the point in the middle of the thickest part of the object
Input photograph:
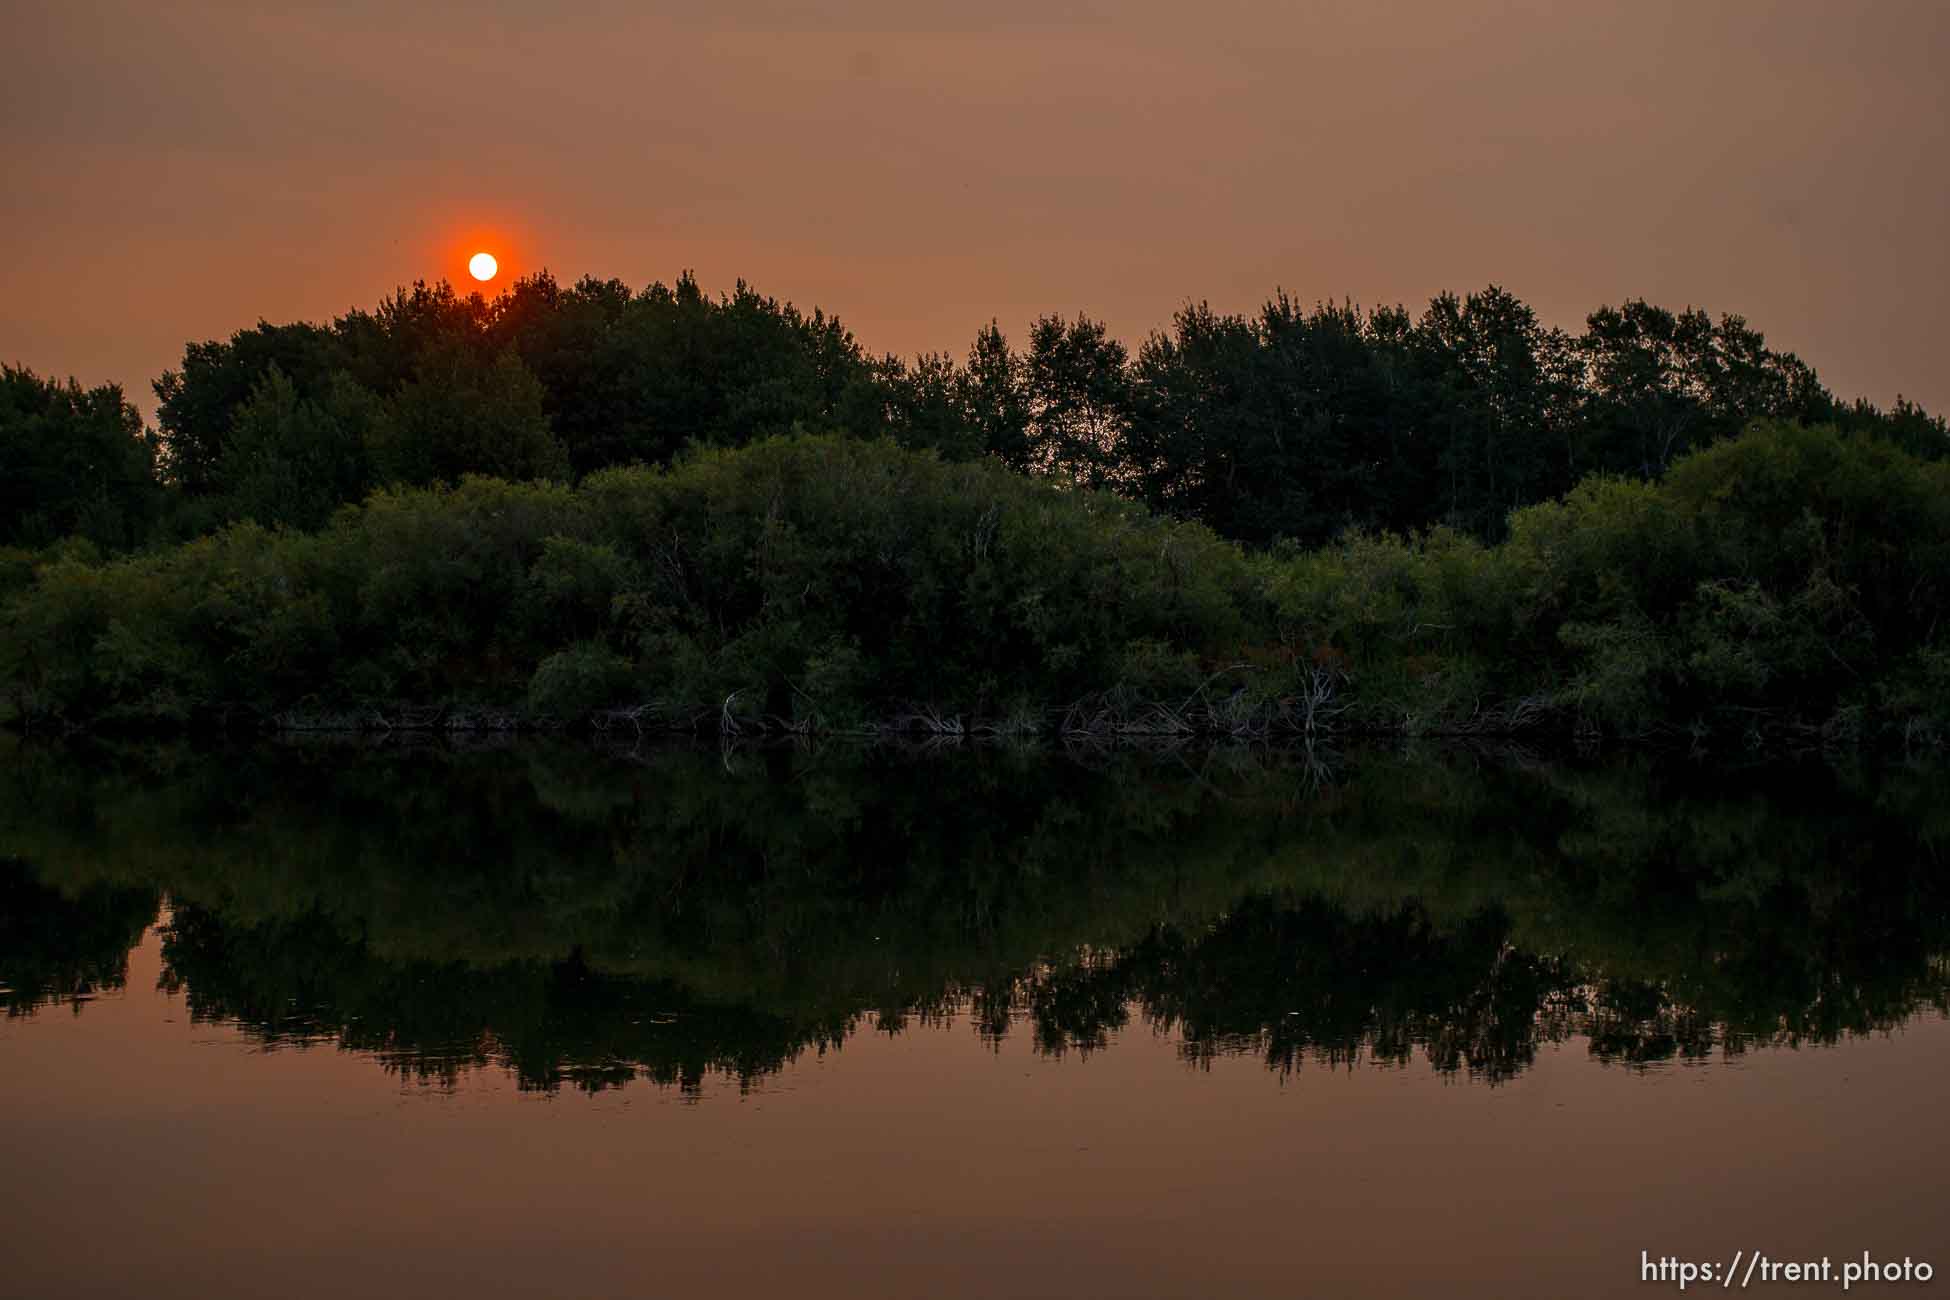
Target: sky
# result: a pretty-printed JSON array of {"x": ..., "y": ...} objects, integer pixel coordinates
[{"x": 177, "y": 172}]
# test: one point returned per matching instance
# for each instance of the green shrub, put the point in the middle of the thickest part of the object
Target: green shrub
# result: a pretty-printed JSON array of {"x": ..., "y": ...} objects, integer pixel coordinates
[
  {"x": 1791, "y": 575},
  {"x": 571, "y": 684}
]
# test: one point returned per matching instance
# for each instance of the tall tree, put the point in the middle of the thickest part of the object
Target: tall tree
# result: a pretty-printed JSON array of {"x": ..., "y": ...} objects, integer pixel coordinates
[
  {"x": 292, "y": 461},
  {"x": 1501, "y": 384},
  {"x": 199, "y": 402},
  {"x": 461, "y": 415},
  {"x": 998, "y": 398},
  {"x": 73, "y": 462},
  {"x": 1079, "y": 400},
  {"x": 928, "y": 406},
  {"x": 1208, "y": 438}
]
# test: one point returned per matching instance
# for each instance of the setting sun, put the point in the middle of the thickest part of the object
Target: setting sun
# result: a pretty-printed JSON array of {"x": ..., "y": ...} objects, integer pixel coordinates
[{"x": 482, "y": 266}]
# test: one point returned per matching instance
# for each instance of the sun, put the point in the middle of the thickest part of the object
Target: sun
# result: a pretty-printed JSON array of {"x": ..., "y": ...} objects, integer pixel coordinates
[{"x": 482, "y": 266}]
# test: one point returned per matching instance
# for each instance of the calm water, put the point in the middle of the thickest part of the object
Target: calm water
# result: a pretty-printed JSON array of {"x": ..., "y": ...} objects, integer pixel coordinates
[{"x": 553, "y": 1020}]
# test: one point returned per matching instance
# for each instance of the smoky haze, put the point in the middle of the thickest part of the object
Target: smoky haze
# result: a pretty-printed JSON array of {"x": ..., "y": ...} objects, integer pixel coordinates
[{"x": 177, "y": 172}]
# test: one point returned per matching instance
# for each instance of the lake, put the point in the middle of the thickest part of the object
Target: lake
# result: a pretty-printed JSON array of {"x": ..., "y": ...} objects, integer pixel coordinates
[{"x": 510, "y": 1018}]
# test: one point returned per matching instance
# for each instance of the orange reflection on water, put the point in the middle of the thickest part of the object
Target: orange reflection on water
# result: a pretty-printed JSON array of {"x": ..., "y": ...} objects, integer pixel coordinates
[{"x": 149, "y": 1155}]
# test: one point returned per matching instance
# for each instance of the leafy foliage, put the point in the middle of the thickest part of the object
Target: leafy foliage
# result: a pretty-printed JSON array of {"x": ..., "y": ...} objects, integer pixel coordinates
[
  {"x": 541, "y": 382},
  {"x": 720, "y": 511},
  {"x": 74, "y": 462},
  {"x": 1291, "y": 423},
  {"x": 1789, "y": 577},
  {"x": 799, "y": 575}
]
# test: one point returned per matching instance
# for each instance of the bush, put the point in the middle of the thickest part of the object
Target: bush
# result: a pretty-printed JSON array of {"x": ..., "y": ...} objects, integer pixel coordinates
[
  {"x": 809, "y": 576},
  {"x": 1793, "y": 577},
  {"x": 573, "y": 683}
]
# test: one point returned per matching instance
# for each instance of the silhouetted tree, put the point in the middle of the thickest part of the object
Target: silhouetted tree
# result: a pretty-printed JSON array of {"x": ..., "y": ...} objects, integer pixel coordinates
[
  {"x": 1660, "y": 383},
  {"x": 998, "y": 398},
  {"x": 1296, "y": 424},
  {"x": 929, "y": 406},
  {"x": 1079, "y": 400},
  {"x": 462, "y": 415},
  {"x": 1490, "y": 368},
  {"x": 1291, "y": 422},
  {"x": 73, "y": 462},
  {"x": 290, "y": 460},
  {"x": 199, "y": 402}
]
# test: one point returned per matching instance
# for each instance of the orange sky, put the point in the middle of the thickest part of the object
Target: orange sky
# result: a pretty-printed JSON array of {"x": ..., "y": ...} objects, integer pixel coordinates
[{"x": 178, "y": 171}]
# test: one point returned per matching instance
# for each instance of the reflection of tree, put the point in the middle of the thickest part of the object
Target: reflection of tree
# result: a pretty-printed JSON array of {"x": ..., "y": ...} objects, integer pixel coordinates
[
  {"x": 548, "y": 1023},
  {"x": 576, "y": 917},
  {"x": 1289, "y": 980},
  {"x": 1293, "y": 979},
  {"x": 60, "y": 949}
]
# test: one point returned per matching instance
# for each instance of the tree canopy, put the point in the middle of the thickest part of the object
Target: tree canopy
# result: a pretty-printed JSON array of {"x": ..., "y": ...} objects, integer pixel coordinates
[
  {"x": 74, "y": 462},
  {"x": 1292, "y": 423}
]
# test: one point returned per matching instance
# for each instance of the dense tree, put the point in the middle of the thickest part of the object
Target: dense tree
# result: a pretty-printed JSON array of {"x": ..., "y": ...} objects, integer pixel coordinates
[
  {"x": 998, "y": 398},
  {"x": 1501, "y": 403},
  {"x": 293, "y": 460},
  {"x": 198, "y": 403},
  {"x": 1906, "y": 424},
  {"x": 1790, "y": 577},
  {"x": 1292, "y": 422},
  {"x": 639, "y": 377},
  {"x": 1660, "y": 383},
  {"x": 73, "y": 462},
  {"x": 1202, "y": 413},
  {"x": 1077, "y": 383},
  {"x": 605, "y": 375},
  {"x": 930, "y": 404},
  {"x": 460, "y": 415},
  {"x": 1295, "y": 424}
]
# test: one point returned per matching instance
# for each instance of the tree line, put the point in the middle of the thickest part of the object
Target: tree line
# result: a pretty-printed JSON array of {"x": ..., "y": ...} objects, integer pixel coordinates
[
  {"x": 589, "y": 504},
  {"x": 1793, "y": 579},
  {"x": 1292, "y": 423}
]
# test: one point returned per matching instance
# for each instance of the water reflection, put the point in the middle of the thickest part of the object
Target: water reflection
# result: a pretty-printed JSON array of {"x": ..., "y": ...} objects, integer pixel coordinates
[
  {"x": 62, "y": 950},
  {"x": 585, "y": 918}
]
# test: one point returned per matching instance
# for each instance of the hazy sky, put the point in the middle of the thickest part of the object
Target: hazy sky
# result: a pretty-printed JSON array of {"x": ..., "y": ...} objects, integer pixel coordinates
[{"x": 176, "y": 171}]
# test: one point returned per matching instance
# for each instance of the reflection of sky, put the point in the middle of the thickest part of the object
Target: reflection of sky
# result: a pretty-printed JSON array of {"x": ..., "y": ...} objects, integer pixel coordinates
[
  {"x": 150, "y": 1156},
  {"x": 177, "y": 171}
]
